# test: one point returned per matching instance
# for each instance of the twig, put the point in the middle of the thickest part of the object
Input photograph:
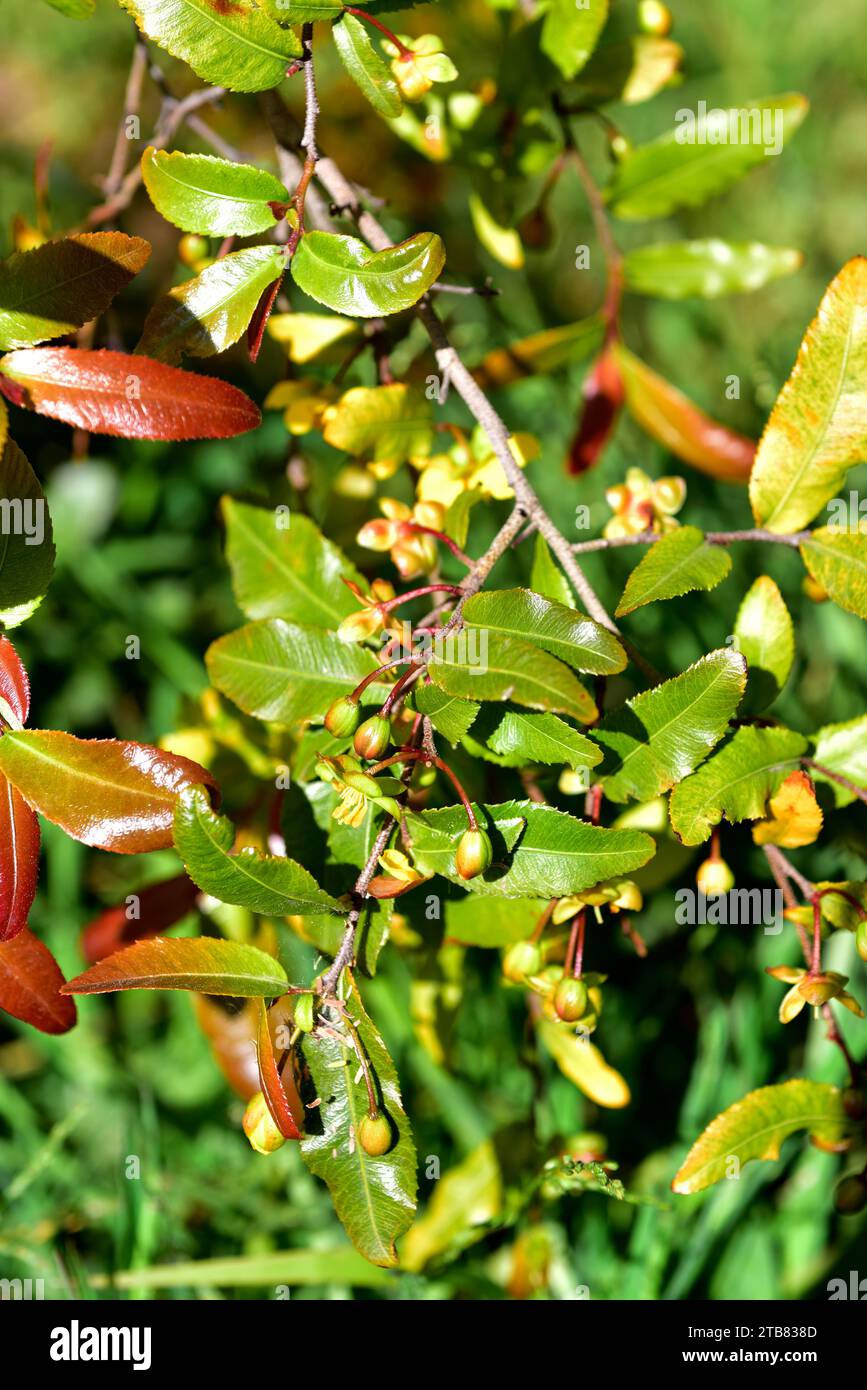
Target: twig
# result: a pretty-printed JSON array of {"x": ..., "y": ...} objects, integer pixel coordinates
[
  {"x": 131, "y": 103},
  {"x": 794, "y": 538},
  {"x": 359, "y": 892},
  {"x": 837, "y": 777}
]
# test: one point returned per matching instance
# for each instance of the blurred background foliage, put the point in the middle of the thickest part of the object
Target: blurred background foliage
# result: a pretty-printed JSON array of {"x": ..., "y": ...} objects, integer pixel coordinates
[{"x": 693, "y": 1027}]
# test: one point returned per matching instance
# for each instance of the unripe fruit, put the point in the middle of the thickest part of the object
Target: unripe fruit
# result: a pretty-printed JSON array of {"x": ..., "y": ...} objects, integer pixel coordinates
[
  {"x": 192, "y": 249},
  {"x": 861, "y": 939},
  {"x": 851, "y": 1195},
  {"x": 535, "y": 230},
  {"x": 521, "y": 960},
  {"x": 373, "y": 737},
  {"x": 374, "y": 1135},
  {"x": 714, "y": 877},
  {"x": 654, "y": 18},
  {"x": 570, "y": 999},
  {"x": 259, "y": 1127},
  {"x": 474, "y": 853},
  {"x": 342, "y": 717}
]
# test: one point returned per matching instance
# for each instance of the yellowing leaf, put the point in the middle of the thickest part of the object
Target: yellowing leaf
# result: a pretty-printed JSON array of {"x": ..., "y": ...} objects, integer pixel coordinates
[
  {"x": 796, "y": 817},
  {"x": 582, "y": 1062},
  {"x": 310, "y": 337},
  {"x": 503, "y": 243},
  {"x": 818, "y": 427},
  {"x": 388, "y": 423}
]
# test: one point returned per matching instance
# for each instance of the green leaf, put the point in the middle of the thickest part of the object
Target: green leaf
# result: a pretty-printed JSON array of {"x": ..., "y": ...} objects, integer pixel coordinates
[
  {"x": 539, "y": 852},
  {"x": 209, "y": 313},
  {"x": 757, "y": 1126},
  {"x": 284, "y": 672},
  {"x": 570, "y": 32},
  {"x": 345, "y": 275},
  {"x": 507, "y": 669},
  {"x": 449, "y": 715},
  {"x": 200, "y": 193},
  {"x": 710, "y": 268},
  {"x": 736, "y": 782},
  {"x": 683, "y": 168},
  {"x": 679, "y": 563},
  {"x": 837, "y": 560},
  {"x": 631, "y": 71},
  {"x": 843, "y": 749},
  {"x": 375, "y": 1198},
  {"x": 366, "y": 66},
  {"x": 286, "y": 571},
  {"x": 262, "y": 882},
  {"x": 301, "y": 11},
  {"x": 818, "y": 426},
  {"x": 389, "y": 423},
  {"x": 562, "y": 631},
  {"x": 55, "y": 288},
  {"x": 503, "y": 243},
  {"x": 662, "y": 735},
  {"x": 582, "y": 1062},
  {"x": 26, "y": 544},
  {"x": 207, "y": 965},
  {"x": 294, "y": 1268},
  {"x": 543, "y": 738},
  {"x": 546, "y": 577},
  {"x": 480, "y": 921},
  {"x": 464, "y": 1201},
  {"x": 74, "y": 9},
  {"x": 766, "y": 638},
  {"x": 326, "y": 933},
  {"x": 230, "y": 45}
]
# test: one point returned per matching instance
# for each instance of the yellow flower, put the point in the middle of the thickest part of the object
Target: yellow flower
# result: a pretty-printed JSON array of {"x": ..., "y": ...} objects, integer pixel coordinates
[
  {"x": 812, "y": 988},
  {"x": 470, "y": 465},
  {"x": 640, "y": 504},
  {"x": 412, "y": 551},
  {"x": 418, "y": 64},
  {"x": 303, "y": 404}
]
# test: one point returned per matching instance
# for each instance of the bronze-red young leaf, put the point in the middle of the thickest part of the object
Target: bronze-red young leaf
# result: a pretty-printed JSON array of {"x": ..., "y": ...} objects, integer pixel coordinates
[
  {"x": 203, "y": 964},
  {"x": 155, "y": 909},
  {"x": 30, "y": 984},
  {"x": 19, "y": 859},
  {"x": 270, "y": 1080},
  {"x": 118, "y": 393},
  {"x": 105, "y": 792},
  {"x": 14, "y": 685}
]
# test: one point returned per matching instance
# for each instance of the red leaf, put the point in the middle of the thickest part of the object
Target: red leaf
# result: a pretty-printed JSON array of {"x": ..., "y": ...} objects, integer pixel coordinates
[
  {"x": 30, "y": 982},
  {"x": 270, "y": 1080},
  {"x": 261, "y": 314},
  {"x": 232, "y": 1036},
  {"x": 603, "y": 397},
  {"x": 107, "y": 793},
  {"x": 19, "y": 860},
  {"x": 160, "y": 906},
  {"x": 201, "y": 964},
  {"x": 669, "y": 416},
  {"x": 14, "y": 685},
  {"x": 134, "y": 397}
]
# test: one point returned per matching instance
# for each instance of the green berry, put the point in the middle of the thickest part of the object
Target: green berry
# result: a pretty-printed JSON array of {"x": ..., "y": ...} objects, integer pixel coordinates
[
  {"x": 260, "y": 1128},
  {"x": 521, "y": 960},
  {"x": 342, "y": 717},
  {"x": 570, "y": 999},
  {"x": 373, "y": 737},
  {"x": 374, "y": 1135},
  {"x": 474, "y": 853}
]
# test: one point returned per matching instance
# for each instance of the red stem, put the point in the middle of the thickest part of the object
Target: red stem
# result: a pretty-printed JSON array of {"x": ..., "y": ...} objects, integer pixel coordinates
[
  {"x": 392, "y": 603},
  {"x": 403, "y": 52},
  {"x": 419, "y": 755},
  {"x": 575, "y": 950},
  {"x": 817, "y": 935},
  {"x": 443, "y": 538}
]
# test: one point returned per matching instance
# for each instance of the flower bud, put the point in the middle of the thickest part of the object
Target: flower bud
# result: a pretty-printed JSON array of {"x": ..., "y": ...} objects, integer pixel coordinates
[
  {"x": 342, "y": 717},
  {"x": 851, "y": 1195},
  {"x": 358, "y": 626},
  {"x": 669, "y": 495},
  {"x": 374, "y": 1135},
  {"x": 861, "y": 939},
  {"x": 373, "y": 737},
  {"x": 654, "y": 18},
  {"x": 474, "y": 853},
  {"x": 304, "y": 1009},
  {"x": 394, "y": 510},
  {"x": 521, "y": 960},
  {"x": 714, "y": 877},
  {"x": 570, "y": 999},
  {"x": 378, "y": 534},
  {"x": 259, "y": 1127},
  {"x": 432, "y": 514},
  {"x": 818, "y": 989}
]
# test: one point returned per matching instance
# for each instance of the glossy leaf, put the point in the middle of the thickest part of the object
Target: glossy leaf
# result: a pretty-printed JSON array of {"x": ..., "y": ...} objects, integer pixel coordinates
[
  {"x": 375, "y": 1198},
  {"x": 818, "y": 426},
  {"x": 508, "y": 669},
  {"x": 659, "y": 737},
  {"x": 766, "y": 638},
  {"x": 570, "y": 32},
  {"x": 201, "y": 193},
  {"x": 301, "y": 11},
  {"x": 543, "y": 738},
  {"x": 209, "y": 313},
  {"x": 451, "y": 716},
  {"x": 843, "y": 749},
  {"x": 286, "y": 570},
  {"x": 388, "y": 423},
  {"x": 709, "y": 268},
  {"x": 26, "y": 539},
  {"x": 698, "y": 158},
  {"x": 493, "y": 922},
  {"x": 344, "y": 274},
  {"x": 679, "y": 563},
  {"x": 284, "y": 672},
  {"x": 232, "y": 45},
  {"x": 14, "y": 685},
  {"x": 539, "y": 852},
  {"x": 366, "y": 66},
  {"x": 757, "y": 1127},
  {"x": 30, "y": 982},
  {"x": 107, "y": 793},
  {"x": 55, "y": 288},
  {"x": 837, "y": 560},
  {"x": 677, "y": 423},
  {"x": 147, "y": 912},
  {"x": 19, "y": 860},
  {"x": 546, "y": 577},
  {"x": 264, "y": 883},
  {"x": 582, "y": 1062},
  {"x": 794, "y": 815},
  {"x": 562, "y": 631},
  {"x": 736, "y": 782},
  {"x": 117, "y": 393},
  {"x": 207, "y": 965},
  {"x": 271, "y": 1081}
]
